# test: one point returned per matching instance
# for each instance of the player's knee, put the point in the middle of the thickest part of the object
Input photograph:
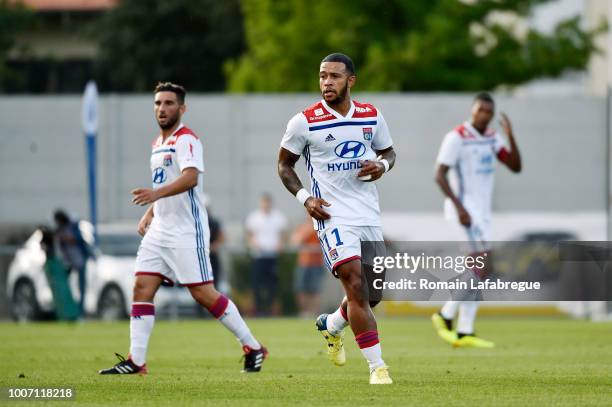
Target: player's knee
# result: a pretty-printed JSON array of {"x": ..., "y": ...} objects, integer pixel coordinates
[
  {"x": 355, "y": 291},
  {"x": 143, "y": 291},
  {"x": 204, "y": 294}
]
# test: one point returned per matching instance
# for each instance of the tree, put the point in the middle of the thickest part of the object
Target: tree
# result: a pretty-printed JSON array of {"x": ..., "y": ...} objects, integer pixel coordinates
[
  {"x": 400, "y": 45},
  {"x": 15, "y": 18},
  {"x": 185, "y": 41}
]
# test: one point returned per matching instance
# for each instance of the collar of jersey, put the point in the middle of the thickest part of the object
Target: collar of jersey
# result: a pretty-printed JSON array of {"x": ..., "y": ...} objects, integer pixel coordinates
[
  {"x": 180, "y": 126},
  {"x": 473, "y": 130},
  {"x": 338, "y": 115}
]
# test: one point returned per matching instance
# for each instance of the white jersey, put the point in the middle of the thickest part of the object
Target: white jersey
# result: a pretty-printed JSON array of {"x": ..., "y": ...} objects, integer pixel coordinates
[
  {"x": 267, "y": 230},
  {"x": 179, "y": 221},
  {"x": 471, "y": 156},
  {"x": 333, "y": 147}
]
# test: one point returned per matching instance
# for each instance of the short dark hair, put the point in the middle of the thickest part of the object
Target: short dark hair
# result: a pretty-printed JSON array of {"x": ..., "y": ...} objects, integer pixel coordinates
[
  {"x": 178, "y": 90},
  {"x": 484, "y": 97},
  {"x": 345, "y": 59},
  {"x": 61, "y": 217}
]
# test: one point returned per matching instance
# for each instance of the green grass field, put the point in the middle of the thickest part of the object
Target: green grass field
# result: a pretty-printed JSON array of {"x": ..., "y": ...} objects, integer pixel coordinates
[{"x": 537, "y": 362}]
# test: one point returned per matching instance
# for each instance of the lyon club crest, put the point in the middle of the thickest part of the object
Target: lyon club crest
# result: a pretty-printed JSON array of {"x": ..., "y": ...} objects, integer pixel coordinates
[
  {"x": 333, "y": 254},
  {"x": 168, "y": 160},
  {"x": 367, "y": 133}
]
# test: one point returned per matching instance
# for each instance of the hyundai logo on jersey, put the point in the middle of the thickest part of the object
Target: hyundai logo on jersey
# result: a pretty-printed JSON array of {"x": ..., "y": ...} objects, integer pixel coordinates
[
  {"x": 350, "y": 149},
  {"x": 344, "y": 166},
  {"x": 159, "y": 175},
  {"x": 486, "y": 164},
  {"x": 367, "y": 133},
  {"x": 486, "y": 159}
]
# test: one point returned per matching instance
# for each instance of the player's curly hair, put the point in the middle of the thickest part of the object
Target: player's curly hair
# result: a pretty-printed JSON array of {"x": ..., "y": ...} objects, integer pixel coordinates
[
  {"x": 178, "y": 90},
  {"x": 343, "y": 58}
]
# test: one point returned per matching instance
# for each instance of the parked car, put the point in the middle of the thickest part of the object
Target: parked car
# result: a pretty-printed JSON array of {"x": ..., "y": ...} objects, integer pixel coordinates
[{"x": 110, "y": 278}]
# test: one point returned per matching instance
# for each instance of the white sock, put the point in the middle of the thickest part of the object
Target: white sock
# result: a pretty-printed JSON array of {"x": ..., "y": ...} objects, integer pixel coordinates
[
  {"x": 467, "y": 316},
  {"x": 373, "y": 355},
  {"x": 449, "y": 309},
  {"x": 370, "y": 348},
  {"x": 141, "y": 325},
  {"x": 227, "y": 313},
  {"x": 336, "y": 322}
]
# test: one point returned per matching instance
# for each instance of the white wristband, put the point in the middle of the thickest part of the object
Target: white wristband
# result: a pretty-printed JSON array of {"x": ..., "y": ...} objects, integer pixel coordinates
[
  {"x": 302, "y": 195},
  {"x": 385, "y": 163}
]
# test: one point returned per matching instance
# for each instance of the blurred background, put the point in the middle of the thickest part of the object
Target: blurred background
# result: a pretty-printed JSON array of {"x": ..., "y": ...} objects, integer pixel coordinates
[{"x": 248, "y": 66}]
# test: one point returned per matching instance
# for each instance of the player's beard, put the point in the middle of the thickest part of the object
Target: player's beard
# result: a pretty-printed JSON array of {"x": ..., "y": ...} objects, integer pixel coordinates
[
  {"x": 340, "y": 96},
  {"x": 170, "y": 122}
]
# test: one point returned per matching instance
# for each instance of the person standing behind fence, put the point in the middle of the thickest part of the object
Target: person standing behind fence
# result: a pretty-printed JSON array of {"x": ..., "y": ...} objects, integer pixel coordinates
[
  {"x": 309, "y": 271},
  {"x": 217, "y": 238},
  {"x": 74, "y": 250},
  {"x": 265, "y": 229}
]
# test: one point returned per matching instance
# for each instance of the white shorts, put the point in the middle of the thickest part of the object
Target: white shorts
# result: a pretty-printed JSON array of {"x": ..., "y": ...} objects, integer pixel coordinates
[
  {"x": 341, "y": 244},
  {"x": 479, "y": 235},
  {"x": 185, "y": 266}
]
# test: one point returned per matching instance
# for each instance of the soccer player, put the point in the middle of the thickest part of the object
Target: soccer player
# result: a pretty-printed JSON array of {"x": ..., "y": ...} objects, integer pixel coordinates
[
  {"x": 175, "y": 234},
  {"x": 470, "y": 150},
  {"x": 346, "y": 146}
]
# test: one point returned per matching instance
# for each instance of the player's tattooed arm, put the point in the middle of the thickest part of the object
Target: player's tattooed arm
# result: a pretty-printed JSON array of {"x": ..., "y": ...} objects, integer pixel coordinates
[
  {"x": 442, "y": 181},
  {"x": 291, "y": 181},
  {"x": 376, "y": 168},
  {"x": 513, "y": 158},
  {"x": 187, "y": 180}
]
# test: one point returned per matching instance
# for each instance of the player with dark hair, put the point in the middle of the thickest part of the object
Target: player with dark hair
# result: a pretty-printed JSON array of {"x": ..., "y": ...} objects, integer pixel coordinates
[
  {"x": 346, "y": 146},
  {"x": 175, "y": 244},
  {"x": 470, "y": 150}
]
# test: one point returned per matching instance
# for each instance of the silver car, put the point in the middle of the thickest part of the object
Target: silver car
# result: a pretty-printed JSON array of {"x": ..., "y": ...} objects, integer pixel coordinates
[{"x": 110, "y": 278}]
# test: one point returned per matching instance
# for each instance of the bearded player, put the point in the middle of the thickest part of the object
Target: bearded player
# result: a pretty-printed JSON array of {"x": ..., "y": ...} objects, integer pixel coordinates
[
  {"x": 346, "y": 146},
  {"x": 175, "y": 244},
  {"x": 470, "y": 151}
]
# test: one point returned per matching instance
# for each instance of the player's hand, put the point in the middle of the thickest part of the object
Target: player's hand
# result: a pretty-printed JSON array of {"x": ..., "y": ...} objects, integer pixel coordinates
[
  {"x": 375, "y": 169},
  {"x": 505, "y": 123},
  {"x": 144, "y": 223},
  {"x": 464, "y": 217},
  {"x": 144, "y": 196},
  {"x": 314, "y": 206}
]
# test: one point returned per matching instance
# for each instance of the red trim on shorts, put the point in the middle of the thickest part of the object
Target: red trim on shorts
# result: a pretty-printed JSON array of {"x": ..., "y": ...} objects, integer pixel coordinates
[
  {"x": 480, "y": 272},
  {"x": 341, "y": 262},
  {"x": 166, "y": 281},
  {"x": 197, "y": 284}
]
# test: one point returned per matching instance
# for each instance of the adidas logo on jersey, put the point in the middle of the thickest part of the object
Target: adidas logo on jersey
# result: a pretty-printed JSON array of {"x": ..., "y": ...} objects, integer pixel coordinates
[{"x": 330, "y": 138}]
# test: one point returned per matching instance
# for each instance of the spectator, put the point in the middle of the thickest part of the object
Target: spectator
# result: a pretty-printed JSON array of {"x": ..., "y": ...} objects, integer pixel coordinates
[
  {"x": 74, "y": 250},
  {"x": 66, "y": 309},
  {"x": 265, "y": 228},
  {"x": 217, "y": 238},
  {"x": 309, "y": 271}
]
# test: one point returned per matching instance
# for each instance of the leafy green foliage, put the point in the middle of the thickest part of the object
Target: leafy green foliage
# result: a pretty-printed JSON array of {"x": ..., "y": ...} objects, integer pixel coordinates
[
  {"x": 185, "y": 41},
  {"x": 14, "y": 19},
  {"x": 404, "y": 45}
]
